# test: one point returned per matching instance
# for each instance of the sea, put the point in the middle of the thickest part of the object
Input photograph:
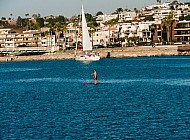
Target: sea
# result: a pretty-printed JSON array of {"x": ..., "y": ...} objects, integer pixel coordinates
[{"x": 142, "y": 98}]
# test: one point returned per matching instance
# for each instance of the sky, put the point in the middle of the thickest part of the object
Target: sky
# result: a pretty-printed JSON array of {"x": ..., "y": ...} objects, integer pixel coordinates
[{"x": 67, "y": 8}]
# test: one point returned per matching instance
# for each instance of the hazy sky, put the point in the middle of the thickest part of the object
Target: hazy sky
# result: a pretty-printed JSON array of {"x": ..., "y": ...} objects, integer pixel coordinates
[{"x": 66, "y": 8}]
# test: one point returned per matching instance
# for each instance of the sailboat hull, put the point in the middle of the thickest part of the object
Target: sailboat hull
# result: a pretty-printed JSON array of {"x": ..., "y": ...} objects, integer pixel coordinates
[{"x": 88, "y": 58}]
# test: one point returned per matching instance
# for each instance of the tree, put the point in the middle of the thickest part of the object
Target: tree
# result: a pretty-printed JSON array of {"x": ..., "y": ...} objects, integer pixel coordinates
[
  {"x": 11, "y": 14},
  {"x": 158, "y": 1},
  {"x": 127, "y": 10},
  {"x": 92, "y": 30},
  {"x": 187, "y": 17},
  {"x": 60, "y": 19},
  {"x": 135, "y": 9},
  {"x": 36, "y": 26},
  {"x": 89, "y": 17},
  {"x": 64, "y": 30},
  {"x": 40, "y": 21},
  {"x": 50, "y": 32},
  {"x": 110, "y": 24},
  {"x": 36, "y": 16},
  {"x": 167, "y": 21},
  {"x": 75, "y": 24},
  {"x": 119, "y": 10},
  {"x": 152, "y": 29},
  {"x": 26, "y": 19},
  {"x": 188, "y": 3},
  {"x": 172, "y": 7},
  {"x": 57, "y": 29},
  {"x": 184, "y": 17},
  {"x": 99, "y": 13},
  {"x": 19, "y": 21},
  {"x": 3, "y": 18},
  {"x": 26, "y": 15}
]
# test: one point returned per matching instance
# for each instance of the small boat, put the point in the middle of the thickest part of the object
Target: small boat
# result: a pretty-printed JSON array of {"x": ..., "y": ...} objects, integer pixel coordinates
[{"x": 86, "y": 44}]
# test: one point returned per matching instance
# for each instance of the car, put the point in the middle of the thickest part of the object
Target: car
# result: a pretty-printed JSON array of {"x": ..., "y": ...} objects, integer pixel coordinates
[
  {"x": 113, "y": 45},
  {"x": 110, "y": 46},
  {"x": 98, "y": 46}
]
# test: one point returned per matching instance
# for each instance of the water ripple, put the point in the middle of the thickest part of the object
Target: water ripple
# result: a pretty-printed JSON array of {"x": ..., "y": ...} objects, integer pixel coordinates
[{"x": 52, "y": 102}]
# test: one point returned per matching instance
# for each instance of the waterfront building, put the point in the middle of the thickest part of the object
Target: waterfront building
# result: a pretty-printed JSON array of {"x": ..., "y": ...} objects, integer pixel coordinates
[
  {"x": 104, "y": 35},
  {"x": 48, "y": 41},
  {"x": 182, "y": 32},
  {"x": 8, "y": 39}
]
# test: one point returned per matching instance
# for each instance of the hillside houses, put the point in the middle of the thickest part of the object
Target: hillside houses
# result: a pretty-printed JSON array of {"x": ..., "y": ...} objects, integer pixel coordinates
[{"x": 141, "y": 27}]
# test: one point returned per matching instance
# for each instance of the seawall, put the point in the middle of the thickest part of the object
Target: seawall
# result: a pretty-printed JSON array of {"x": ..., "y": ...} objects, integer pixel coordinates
[{"x": 144, "y": 51}]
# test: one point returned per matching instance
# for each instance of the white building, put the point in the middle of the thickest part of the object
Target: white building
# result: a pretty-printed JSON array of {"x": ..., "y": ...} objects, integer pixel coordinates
[
  {"x": 127, "y": 16},
  {"x": 27, "y": 38},
  {"x": 48, "y": 41},
  {"x": 106, "y": 17}
]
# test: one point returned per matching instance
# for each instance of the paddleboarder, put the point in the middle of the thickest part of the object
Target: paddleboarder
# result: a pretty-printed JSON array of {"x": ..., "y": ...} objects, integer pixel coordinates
[{"x": 95, "y": 77}]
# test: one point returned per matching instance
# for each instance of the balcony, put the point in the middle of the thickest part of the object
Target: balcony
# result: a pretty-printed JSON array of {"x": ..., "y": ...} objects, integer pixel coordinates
[
  {"x": 182, "y": 29},
  {"x": 181, "y": 35}
]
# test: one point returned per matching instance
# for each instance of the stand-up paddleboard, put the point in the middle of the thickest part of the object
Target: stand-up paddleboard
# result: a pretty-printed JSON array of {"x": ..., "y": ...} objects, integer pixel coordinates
[
  {"x": 88, "y": 83},
  {"x": 92, "y": 83}
]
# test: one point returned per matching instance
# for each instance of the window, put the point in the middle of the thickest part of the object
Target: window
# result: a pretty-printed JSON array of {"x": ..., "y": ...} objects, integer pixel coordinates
[{"x": 159, "y": 33}]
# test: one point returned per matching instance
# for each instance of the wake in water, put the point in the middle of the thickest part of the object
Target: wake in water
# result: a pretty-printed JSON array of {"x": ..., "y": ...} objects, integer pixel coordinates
[
  {"x": 182, "y": 82},
  {"x": 7, "y": 70}
]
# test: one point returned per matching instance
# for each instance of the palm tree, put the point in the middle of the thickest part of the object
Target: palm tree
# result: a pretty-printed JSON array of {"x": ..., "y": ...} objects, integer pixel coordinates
[
  {"x": 110, "y": 24},
  {"x": 126, "y": 10},
  {"x": 57, "y": 29},
  {"x": 76, "y": 36},
  {"x": 92, "y": 30},
  {"x": 64, "y": 30},
  {"x": 119, "y": 10},
  {"x": 27, "y": 19},
  {"x": 158, "y": 1},
  {"x": 11, "y": 14},
  {"x": 51, "y": 30},
  {"x": 36, "y": 27},
  {"x": 152, "y": 29},
  {"x": 167, "y": 21}
]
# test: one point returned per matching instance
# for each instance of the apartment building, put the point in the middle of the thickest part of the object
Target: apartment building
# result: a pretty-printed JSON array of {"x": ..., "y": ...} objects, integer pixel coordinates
[
  {"x": 48, "y": 41},
  {"x": 9, "y": 39},
  {"x": 102, "y": 35},
  {"x": 182, "y": 32}
]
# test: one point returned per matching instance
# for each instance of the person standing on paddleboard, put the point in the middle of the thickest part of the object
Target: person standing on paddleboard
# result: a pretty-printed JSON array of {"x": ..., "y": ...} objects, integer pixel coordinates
[{"x": 95, "y": 77}]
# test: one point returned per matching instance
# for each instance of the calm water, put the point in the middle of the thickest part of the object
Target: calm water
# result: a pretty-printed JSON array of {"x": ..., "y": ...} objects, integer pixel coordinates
[{"x": 137, "y": 98}]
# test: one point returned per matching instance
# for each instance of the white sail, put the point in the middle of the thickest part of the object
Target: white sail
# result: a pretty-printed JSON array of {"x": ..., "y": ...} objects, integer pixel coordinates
[{"x": 87, "y": 46}]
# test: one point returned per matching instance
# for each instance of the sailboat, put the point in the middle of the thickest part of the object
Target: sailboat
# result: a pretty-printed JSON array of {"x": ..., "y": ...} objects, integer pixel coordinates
[{"x": 86, "y": 44}]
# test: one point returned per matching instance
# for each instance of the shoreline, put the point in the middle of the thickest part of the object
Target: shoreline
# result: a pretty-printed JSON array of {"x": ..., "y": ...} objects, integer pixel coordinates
[{"x": 120, "y": 52}]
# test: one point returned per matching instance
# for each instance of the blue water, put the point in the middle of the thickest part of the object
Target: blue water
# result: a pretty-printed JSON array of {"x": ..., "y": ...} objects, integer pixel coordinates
[{"x": 137, "y": 98}]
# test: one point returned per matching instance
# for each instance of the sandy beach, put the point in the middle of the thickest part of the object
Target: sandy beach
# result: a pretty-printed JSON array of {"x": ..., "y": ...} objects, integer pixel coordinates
[{"x": 140, "y": 51}]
